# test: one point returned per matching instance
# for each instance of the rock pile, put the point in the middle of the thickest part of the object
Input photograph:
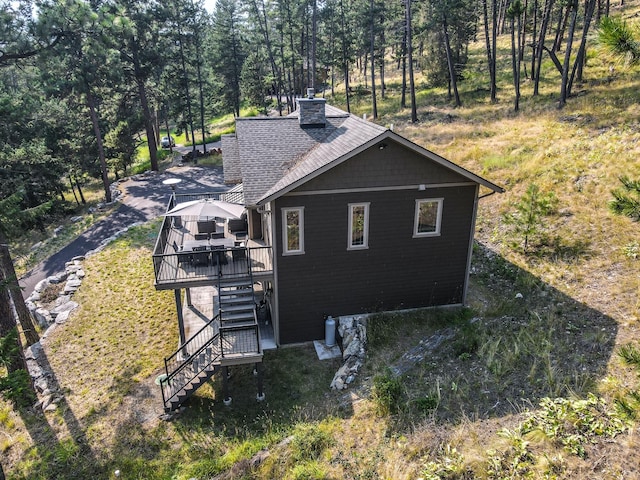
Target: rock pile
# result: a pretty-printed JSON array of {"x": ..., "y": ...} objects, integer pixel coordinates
[
  {"x": 353, "y": 331},
  {"x": 49, "y": 318}
]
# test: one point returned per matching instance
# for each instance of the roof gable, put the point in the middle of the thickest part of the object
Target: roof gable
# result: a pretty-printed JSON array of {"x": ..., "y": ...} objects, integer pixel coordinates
[{"x": 276, "y": 155}]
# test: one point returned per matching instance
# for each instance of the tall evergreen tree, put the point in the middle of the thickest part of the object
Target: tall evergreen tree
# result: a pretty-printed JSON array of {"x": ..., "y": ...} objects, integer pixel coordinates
[{"x": 227, "y": 53}]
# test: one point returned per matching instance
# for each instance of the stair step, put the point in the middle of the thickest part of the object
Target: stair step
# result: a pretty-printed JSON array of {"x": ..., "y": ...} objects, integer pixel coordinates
[
  {"x": 229, "y": 300},
  {"x": 237, "y": 307},
  {"x": 238, "y": 317},
  {"x": 248, "y": 323},
  {"x": 248, "y": 295},
  {"x": 231, "y": 283},
  {"x": 235, "y": 291}
]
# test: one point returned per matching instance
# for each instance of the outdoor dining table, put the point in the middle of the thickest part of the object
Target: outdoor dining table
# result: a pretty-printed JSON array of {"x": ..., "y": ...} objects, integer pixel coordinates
[{"x": 188, "y": 245}]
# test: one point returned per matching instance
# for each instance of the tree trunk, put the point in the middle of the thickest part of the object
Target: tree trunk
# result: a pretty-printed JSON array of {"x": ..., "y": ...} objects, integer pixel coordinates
[
  {"x": 562, "y": 26},
  {"x": 91, "y": 103},
  {"x": 412, "y": 87},
  {"x": 261, "y": 15},
  {"x": 188, "y": 98},
  {"x": 374, "y": 105},
  {"x": 540, "y": 44},
  {"x": 515, "y": 65},
  {"x": 345, "y": 60},
  {"x": 8, "y": 326},
  {"x": 564, "y": 92},
  {"x": 201, "y": 96},
  {"x": 80, "y": 192},
  {"x": 589, "y": 7},
  {"x": 452, "y": 70},
  {"x": 533, "y": 38},
  {"x": 73, "y": 190},
  {"x": 314, "y": 33},
  {"x": 403, "y": 94},
  {"x": 144, "y": 105},
  {"x": 8, "y": 272},
  {"x": 490, "y": 49}
]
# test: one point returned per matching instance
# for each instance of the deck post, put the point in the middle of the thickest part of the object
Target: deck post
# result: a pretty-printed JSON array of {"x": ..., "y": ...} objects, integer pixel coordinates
[
  {"x": 189, "y": 297},
  {"x": 258, "y": 372},
  {"x": 226, "y": 399},
  {"x": 181, "y": 331}
]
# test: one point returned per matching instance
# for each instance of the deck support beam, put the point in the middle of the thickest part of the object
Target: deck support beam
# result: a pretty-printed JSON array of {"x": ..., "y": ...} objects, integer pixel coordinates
[
  {"x": 183, "y": 338},
  {"x": 189, "y": 303},
  {"x": 258, "y": 372},
  {"x": 225, "y": 385}
]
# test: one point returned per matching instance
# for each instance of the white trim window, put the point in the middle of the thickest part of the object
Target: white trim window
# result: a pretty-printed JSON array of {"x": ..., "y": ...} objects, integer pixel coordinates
[
  {"x": 293, "y": 231},
  {"x": 358, "y": 226},
  {"x": 428, "y": 217}
]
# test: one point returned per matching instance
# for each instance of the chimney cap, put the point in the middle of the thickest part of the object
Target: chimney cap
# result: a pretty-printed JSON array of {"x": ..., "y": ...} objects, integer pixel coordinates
[{"x": 310, "y": 92}]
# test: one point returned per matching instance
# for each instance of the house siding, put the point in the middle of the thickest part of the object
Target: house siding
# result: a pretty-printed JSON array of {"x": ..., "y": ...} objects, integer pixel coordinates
[
  {"x": 396, "y": 271},
  {"x": 395, "y": 165}
]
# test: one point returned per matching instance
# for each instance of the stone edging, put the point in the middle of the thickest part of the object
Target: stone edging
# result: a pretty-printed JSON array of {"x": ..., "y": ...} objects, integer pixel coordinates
[
  {"x": 49, "y": 393},
  {"x": 353, "y": 330}
]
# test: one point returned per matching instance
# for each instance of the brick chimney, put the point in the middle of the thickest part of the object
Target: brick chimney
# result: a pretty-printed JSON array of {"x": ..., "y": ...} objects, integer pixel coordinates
[{"x": 311, "y": 111}]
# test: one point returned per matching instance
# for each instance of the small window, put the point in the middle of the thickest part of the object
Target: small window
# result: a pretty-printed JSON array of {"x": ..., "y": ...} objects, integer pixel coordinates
[
  {"x": 293, "y": 230},
  {"x": 428, "y": 217},
  {"x": 358, "y": 226}
]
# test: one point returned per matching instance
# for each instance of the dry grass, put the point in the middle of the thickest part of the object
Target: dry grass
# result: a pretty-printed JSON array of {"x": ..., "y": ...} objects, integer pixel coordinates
[{"x": 580, "y": 304}]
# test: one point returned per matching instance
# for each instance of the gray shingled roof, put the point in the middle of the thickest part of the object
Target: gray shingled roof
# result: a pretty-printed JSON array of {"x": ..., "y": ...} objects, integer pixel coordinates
[
  {"x": 352, "y": 134},
  {"x": 270, "y": 146},
  {"x": 275, "y": 154}
]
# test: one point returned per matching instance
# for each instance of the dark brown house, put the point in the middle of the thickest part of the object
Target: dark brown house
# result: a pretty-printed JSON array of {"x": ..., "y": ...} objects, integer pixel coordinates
[
  {"x": 342, "y": 217},
  {"x": 359, "y": 219}
]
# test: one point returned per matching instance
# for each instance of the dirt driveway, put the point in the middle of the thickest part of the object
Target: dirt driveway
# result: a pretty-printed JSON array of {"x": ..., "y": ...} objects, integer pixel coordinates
[{"x": 144, "y": 197}]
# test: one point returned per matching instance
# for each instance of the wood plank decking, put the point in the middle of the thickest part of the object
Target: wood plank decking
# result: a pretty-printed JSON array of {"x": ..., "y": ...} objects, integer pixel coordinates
[{"x": 173, "y": 268}]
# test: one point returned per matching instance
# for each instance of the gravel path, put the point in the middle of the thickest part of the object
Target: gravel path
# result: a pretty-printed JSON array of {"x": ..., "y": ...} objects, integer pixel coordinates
[{"x": 144, "y": 198}]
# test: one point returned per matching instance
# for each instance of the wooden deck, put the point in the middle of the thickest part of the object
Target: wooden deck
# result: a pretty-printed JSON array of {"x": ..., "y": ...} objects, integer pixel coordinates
[{"x": 173, "y": 269}]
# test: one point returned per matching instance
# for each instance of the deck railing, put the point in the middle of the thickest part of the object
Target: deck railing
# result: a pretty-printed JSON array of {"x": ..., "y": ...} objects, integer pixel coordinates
[
  {"x": 203, "y": 352},
  {"x": 175, "y": 267}
]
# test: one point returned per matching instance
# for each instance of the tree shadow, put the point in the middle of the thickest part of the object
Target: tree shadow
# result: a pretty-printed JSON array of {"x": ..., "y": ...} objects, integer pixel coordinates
[
  {"x": 523, "y": 340},
  {"x": 60, "y": 448}
]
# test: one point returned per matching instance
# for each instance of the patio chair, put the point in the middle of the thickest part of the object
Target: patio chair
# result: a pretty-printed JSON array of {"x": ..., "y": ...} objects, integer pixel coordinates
[
  {"x": 200, "y": 256},
  {"x": 201, "y": 236},
  {"x": 184, "y": 257},
  {"x": 219, "y": 254},
  {"x": 206, "y": 226},
  {"x": 215, "y": 235},
  {"x": 239, "y": 253}
]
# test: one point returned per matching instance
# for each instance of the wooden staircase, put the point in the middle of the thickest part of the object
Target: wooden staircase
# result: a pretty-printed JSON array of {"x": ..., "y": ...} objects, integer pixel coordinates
[
  {"x": 232, "y": 337},
  {"x": 237, "y": 302}
]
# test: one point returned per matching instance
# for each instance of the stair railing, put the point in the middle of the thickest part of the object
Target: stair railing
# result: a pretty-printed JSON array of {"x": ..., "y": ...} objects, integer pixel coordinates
[{"x": 180, "y": 371}]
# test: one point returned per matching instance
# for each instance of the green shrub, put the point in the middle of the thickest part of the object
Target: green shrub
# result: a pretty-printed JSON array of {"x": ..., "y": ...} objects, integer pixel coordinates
[
  {"x": 16, "y": 387},
  {"x": 630, "y": 354},
  {"x": 626, "y": 200},
  {"x": 467, "y": 340},
  {"x": 572, "y": 423},
  {"x": 387, "y": 393},
  {"x": 310, "y": 440},
  {"x": 448, "y": 465},
  {"x": 528, "y": 218},
  {"x": 307, "y": 471}
]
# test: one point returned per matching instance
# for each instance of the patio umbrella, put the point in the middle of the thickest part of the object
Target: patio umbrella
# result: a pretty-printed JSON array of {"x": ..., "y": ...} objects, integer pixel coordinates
[{"x": 206, "y": 207}]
